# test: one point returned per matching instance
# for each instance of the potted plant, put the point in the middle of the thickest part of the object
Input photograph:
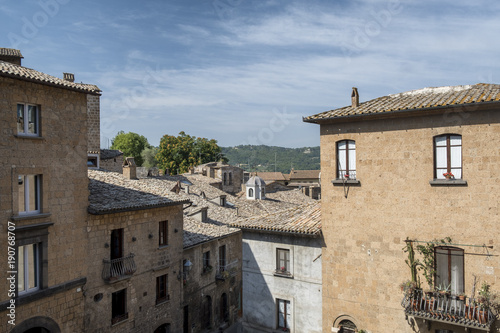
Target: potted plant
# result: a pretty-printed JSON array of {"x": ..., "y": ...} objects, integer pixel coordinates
[
  {"x": 486, "y": 300},
  {"x": 448, "y": 175},
  {"x": 443, "y": 289}
]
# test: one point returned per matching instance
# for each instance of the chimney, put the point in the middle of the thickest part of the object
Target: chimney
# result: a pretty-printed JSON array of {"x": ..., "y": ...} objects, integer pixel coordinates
[
  {"x": 70, "y": 77},
  {"x": 200, "y": 215},
  {"x": 11, "y": 55},
  {"x": 129, "y": 168},
  {"x": 355, "y": 97}
]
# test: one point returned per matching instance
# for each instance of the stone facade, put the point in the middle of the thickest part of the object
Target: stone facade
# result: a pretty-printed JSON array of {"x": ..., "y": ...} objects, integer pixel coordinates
[
  {"x": 57, "y": 156},
  {"x": 212, "y": 297},
  {"x": 231, "y": 177},
  {"x": 395, "y": 196},
  {"x": 140, "y": 236}
]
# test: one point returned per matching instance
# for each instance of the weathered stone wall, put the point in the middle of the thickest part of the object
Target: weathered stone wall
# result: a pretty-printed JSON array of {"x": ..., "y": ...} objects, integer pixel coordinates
[
  {"x": 363, "y": 261},
  {"x": 140, "y": 238},
  {"x": 114, "y": 164},
  {"x": 94, "y": 126},
  {"x": 200, "y": 284},
  {"x": 59, "y": 155}
]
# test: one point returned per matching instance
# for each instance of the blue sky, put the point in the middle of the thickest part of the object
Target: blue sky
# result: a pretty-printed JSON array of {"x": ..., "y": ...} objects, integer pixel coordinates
[{"x": 247, "y": 71}]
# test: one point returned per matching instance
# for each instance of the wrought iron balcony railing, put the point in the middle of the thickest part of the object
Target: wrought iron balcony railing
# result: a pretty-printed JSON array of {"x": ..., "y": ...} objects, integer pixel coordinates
[
  {"x": 226, "y": 271},
  {"x": 118, "y": 269},
  {"x": 448, "y": 309}
]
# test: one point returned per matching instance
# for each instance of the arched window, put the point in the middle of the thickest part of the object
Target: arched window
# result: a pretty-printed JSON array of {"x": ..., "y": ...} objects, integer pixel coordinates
[
  {"x": 250, "y": 192},
  {"x": 230, "y": 178},
  {"x": 448, "y": 156},
  {"x": 225, "y": 178},
  {"x": 347, "y": 326},
  {"x": 165, "y": 328},
  {"x": 346, "y": 159}
]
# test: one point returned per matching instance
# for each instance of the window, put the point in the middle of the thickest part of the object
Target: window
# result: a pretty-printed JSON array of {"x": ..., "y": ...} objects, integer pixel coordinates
[
  {"x": 27, "y": 120},
  {"x": 224, "y": 309},
  {"x": 283, "y": 261},
  {"x": 162, "y": 288},
  {"x": 28, "y": 268},
  {"x": 206, "y": 262},
  {"x": 230, "y": 178},
  {"x": 93, "y": 161},
  {"x": 346, "y": 159},
  {"x": 448, "y": 156},
  {"x": 225, "y": 178},
  {"x": 250, "y": 192},
  {"x": 284, "y": 314},
  {"x": 116, "y": 244},
  {"x": 206, "y": 312},
  {"x": 163, "y": 233},
  {"x": 347, "y": 326},
  {"x": 222, "y": 258},
  {"x": 119, "y": 306},
  {"x": 29, "y": 194},
  {"x": 450, "y": 269}
]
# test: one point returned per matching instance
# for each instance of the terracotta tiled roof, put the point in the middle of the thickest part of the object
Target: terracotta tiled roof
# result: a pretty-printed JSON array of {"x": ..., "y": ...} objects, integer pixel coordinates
[
  {"x": 267, "y": 176},
  {"x": 196, "y": 232},
  {"x": 426, "y": 98},
  {"x": 304, "y": 219},
  {"x": 10, "y": 52},
  {"x": 27, "y": 74},
  {"x": 304, "y": 174}
]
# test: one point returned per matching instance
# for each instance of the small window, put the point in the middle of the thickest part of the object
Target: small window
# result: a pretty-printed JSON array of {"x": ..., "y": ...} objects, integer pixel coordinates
[
  {"x": 206, "y": 262},
  {"x": 225, "y": 178},
  {"x": 283, "y": 261},
  {"x": 29, "y": 194},
  {"x": 28, "y": 268},
  {"x": 28, "y": 120},
  {"x": 222, "y": 258},
  {"x": 163, "y": 233},
  {"x": 284, "y": 314},
  {"x": 346, "y": 159},
  {"x": 450, "y": 269},
  {"x": 119, "y": 306},
  {"x": 162, "y": 288},
  {"x": 448, "y": 156},
  {"x": 250, "y": 192},
  {"x": 347, "y": 326},
  {"x": 93, "y": 161},
  {"x": 230, "y": 178}
]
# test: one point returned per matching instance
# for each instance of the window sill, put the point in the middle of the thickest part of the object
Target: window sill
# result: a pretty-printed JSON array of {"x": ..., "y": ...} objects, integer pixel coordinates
[
  {"x": 29, "y": 216},
  {"x": 286, "y": 275},
  {"x": 163, "y": 300},
  {"x": 27, "y": 136},
  {"x": 343, "y": 181},
  {"x": 448, "y": 182},
  {"x": 119, "y": 319}
]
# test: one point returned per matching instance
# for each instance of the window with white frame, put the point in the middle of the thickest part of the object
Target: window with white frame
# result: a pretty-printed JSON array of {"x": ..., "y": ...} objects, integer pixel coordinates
[
  {"x": 28, "y": 119},
  {"x": 450, "y": 269},
  {"x": 284, "y": 314},
  {"x": 283, "y": 261},
  {"x": 346, "y": 159},
  {"x": 29, "y": 194},
  {"x": 28, "y": 268},
  {"x": 448, "y": 156}
]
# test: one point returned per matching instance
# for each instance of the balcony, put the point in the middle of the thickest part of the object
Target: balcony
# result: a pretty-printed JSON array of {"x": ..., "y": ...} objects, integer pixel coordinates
[
  {"x": 118, "y": 269},
  {"x": 226, "y": 271},
  {"x": 447, "y": 309}
]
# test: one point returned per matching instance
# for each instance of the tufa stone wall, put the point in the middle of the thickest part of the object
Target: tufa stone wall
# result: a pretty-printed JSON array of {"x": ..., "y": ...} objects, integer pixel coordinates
[
  {"x": 94, "y": 135},
  {"x": 363, "y": 261}
]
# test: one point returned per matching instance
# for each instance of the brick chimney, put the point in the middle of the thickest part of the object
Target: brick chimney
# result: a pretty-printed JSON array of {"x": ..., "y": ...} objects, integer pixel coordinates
[
  {"x": 355, "y": 97},
  {"x": 11, "y": 55},
  {"x": 69, "y": 77},
  {"x": 129, "y": 168}
]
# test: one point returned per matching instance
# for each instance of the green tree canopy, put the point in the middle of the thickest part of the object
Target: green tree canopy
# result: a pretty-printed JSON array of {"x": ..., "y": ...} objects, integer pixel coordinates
[
  {"x": 131, "y": 144},
  {"x": 178, "y": 153},
  {"x": 149, "y": 157}
]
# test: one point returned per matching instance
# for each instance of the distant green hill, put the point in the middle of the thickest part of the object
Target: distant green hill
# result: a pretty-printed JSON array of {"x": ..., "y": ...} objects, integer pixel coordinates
[{"x": 262, "y": 158}]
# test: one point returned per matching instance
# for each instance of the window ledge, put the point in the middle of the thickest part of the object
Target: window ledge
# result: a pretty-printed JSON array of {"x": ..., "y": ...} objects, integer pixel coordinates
[
  {"x": 29, "y": 216},
  {"x": 286, "y": 275},
  {"x": 343, "y": 181},
  {"x": 27, "y": 136},
  {"x": 448, "y": 182},
  {"x": 163, "y": 300}
]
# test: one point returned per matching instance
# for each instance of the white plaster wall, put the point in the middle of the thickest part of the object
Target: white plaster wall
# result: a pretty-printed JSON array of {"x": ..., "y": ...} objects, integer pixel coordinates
[{"x": 261, "y": 287}]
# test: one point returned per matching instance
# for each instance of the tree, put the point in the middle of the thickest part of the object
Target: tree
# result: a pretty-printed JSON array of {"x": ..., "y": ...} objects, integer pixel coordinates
[
  {"x": 178, "y": 153},
  {"x": 149, "y": 157},
  {"x": 131, "y": 144}
]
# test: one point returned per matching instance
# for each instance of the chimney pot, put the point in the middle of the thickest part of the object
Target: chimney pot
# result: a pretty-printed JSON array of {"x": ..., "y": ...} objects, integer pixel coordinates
[
  {"x": 355, "y": 97},
  {"x": 70, "y": 77},
  {"x": 129, "y": 168}
]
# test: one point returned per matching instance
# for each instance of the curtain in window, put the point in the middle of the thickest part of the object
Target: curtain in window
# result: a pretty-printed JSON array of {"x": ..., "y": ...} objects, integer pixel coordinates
[
  {"x": 450, "y": 269},
  {"x": 346, "y": 151},
  {"x": 284, "y": 314}
]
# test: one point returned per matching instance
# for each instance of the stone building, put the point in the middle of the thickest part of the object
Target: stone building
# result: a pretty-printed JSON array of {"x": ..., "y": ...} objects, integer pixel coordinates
[
  {"x": 135, "y": 242},
  {"x": 43, "y": 198},
  {"x": 282, "y": 270},
  {"x": 111, "y": 160},
  {"x": 230, "y": 177},
  {"x": 400, "y": 171}
]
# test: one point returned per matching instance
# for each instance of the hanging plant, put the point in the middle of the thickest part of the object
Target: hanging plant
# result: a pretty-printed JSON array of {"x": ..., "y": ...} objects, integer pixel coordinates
[{"x": 428, "y": 266}]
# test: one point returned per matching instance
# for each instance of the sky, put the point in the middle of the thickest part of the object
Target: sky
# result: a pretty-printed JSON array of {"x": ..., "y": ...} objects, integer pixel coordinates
[{"x": 247, "y": 71}]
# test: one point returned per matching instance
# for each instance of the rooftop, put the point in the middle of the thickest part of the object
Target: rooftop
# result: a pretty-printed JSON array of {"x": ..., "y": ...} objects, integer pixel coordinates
[
  {"x": 304, "y": 219},
  {"x": 421, "y": 99},
  {"x": 10, "y": 52},
  {"x": 27, "y": 74},
  {"x": 301, "y": 174},
  {"x": 107, "y": 154}
]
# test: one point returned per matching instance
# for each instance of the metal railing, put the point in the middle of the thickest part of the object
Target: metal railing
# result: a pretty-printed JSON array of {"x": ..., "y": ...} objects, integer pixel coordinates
[
  {"x": 449, "y": 309},
  {"x": 226, "y": 271},
  {"x": 116, "y": 269}
]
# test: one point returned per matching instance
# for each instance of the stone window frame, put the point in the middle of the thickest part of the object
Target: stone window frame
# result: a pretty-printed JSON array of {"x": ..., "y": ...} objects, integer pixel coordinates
[
  {"x": 162, "y": 289},
  {"x": 206, "y": 262},
  {"x": 25, "y": 132},
  {"x": 42, "y": 195},
  {"x": 119, "y": 311},
  {"x": 91, "y": 158},
  {"x": 288, "y": 273},
  {"x": 163, "y": 233}
]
